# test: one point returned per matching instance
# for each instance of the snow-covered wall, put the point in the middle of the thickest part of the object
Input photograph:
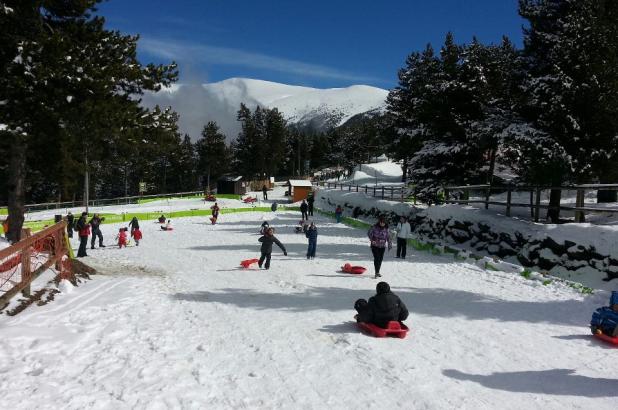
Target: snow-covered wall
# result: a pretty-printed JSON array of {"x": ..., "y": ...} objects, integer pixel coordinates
[{"x": 571, "y": 251}]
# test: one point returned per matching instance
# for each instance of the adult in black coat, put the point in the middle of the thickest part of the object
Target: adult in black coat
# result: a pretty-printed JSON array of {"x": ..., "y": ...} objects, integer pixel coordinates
[
  {"x": 265, "y": 192},
  {"x": 303, "y": 210},
  {"x": 133, "y": 225},
  {"x": 310, "y": 201},
  {"x": 382, "y": 308},
  {"x": 70, "y": 224},
  {"x": 95, "y": 224},
  {"x": 267, "y": 247}
]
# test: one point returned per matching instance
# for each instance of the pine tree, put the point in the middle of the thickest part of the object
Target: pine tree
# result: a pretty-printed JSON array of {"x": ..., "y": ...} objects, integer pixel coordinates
[
  {"x": 212, "y": 154},
  {"x": 61, "y": 70},
  {"x": 571, "y": 85}
]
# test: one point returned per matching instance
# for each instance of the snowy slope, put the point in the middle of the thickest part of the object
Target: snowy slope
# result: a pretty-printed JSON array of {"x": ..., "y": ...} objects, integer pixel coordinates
[
  {"x": 174, "y": 323},
  {"x": 200, "y": 103}
]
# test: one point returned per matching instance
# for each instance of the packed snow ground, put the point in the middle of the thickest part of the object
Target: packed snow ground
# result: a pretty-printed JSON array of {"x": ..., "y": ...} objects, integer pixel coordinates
[{"x": 174, "y": 323}]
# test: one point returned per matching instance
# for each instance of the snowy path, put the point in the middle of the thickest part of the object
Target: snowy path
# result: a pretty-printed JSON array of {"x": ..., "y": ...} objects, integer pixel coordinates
[{"x": 174, "y": 323}]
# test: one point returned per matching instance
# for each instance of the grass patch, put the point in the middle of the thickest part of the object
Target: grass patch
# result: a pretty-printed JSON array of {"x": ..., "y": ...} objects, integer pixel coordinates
[
  {"x": 526, "y": 274},
  {"x": 4, "y": 211},
  {"x": 489, "y": 266}
]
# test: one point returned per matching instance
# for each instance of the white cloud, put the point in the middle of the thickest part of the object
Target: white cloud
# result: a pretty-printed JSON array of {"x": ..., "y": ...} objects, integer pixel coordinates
[{"x": 184, "y": 51}]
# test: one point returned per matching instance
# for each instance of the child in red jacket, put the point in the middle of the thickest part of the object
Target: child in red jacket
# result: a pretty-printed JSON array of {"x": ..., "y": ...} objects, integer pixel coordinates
[
  {"x": 137, "y": 236},
  {"x": 122, "y": 237}
]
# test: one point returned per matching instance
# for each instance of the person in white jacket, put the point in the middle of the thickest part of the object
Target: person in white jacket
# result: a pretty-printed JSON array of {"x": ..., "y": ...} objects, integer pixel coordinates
[{"x": 403, "y": 230}]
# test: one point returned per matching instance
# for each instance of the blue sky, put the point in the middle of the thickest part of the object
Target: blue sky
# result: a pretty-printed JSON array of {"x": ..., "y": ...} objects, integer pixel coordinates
[{"x": 315, "y": 43}]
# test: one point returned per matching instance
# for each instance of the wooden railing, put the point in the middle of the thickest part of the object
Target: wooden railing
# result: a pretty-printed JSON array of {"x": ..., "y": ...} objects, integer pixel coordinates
[
  {"x": 534, "y": 204},
  {"x": 24, "y": 261},
  {"x": 393, "y": 193}
]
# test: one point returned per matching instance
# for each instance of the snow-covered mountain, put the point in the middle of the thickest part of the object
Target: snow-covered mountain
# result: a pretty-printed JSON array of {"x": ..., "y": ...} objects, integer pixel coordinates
[{"x": 308, "y": 107}]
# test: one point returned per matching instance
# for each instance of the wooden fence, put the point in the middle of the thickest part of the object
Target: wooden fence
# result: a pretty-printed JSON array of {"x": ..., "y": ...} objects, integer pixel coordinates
[
  {"x": 393, "y": 193},
  {"x": 24, "y": 261},
  {"x": 534, "y": 204}
]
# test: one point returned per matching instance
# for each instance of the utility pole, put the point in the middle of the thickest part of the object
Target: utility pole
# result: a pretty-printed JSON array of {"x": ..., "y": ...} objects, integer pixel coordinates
[{"x": 86, "y": 184}]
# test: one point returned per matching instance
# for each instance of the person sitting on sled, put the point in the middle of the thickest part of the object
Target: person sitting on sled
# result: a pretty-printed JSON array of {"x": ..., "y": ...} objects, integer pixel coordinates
[
  {"x": 267, "y": 247},
  {"x": 605, "y": 319},
  {"x": 382, "y": 308},
  {"x": 168, "y": 226},
  {"x": 162, "y": 219},
  {"x": 122, "y": 237},
  {"x": 302, "y": 226}
]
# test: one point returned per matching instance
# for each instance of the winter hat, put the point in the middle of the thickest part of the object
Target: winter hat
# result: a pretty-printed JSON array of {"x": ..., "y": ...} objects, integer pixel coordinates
[
  {"x": 360, "y": 304},
  {"x": 382, "y": 287},
  {"x": 613, "y": 300}
]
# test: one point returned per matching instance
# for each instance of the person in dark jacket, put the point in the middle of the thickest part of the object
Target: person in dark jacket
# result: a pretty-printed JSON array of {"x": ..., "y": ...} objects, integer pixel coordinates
[
  {"x": 267, "y": 247},
  {"x": 379, "y": 240},
  {"x": 264, "y": 192},
  {"x": 382, "y": 308},
  {"x": 605, "y": 319},
  {"x": 312, "y": 235},
  {"x": 70, "y": 224},
  {"x": 338, "y": 213},
  {"x": 83, "y": 230},
  {"x": 303, "y": 209},
  {"x": 310, "y": 201},
  {"x": 95, "y": 224},
  {"x": 134, "y": 225}
]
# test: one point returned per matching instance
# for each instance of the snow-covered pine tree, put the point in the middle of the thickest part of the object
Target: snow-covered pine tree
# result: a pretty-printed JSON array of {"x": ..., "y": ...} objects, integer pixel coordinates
[
  {"x": 405, "y": 131},
  {"x": 571, "y": 85},
  {"x": 450, "y": 154}
]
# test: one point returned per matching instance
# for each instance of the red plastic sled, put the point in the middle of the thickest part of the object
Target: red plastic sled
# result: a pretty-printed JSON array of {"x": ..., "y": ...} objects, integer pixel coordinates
[
  {"x": 356, "y": 270},
  {"x": 394, "y": 328},
  {"x": 249, "y": 200},
  {"x": 210, "y": 198},
  {"x": 248, "y": 262},
  {"x": 608, "y": 339}
]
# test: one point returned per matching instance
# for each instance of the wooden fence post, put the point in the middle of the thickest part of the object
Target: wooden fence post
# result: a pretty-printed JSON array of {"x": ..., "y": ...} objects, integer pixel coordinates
[
  {"x": 580, "y": 216},
  {"x": 446, "y": 195},
  {"x": 374, "y": 192},
  {"x": 382, "y": 192},
  {"x": 537, "y": 208},
  {"x": 356, "y": 188},
  {"x": 365, "y": 189},
  {"x": 25, "y": 271},
  {"x": 508, "y": 202},
  {"x": 531, "y": 204}
]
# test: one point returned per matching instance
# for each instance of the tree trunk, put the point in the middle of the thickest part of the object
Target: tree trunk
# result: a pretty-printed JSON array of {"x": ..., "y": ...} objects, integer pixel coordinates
[
  {"x": 16, "y": 189},
  {"x": 490, "y": 176},
  {"x": 553, "y": 212},
  {"x": 404, "y": 169}
]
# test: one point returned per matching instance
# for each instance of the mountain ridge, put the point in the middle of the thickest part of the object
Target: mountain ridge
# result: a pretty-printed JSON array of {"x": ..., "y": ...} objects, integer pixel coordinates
[{"x": 307, "y": 107}]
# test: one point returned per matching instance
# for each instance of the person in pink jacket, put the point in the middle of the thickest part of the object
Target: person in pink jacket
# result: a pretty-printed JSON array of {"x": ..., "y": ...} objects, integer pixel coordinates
[{"x": 379, "y": 240}]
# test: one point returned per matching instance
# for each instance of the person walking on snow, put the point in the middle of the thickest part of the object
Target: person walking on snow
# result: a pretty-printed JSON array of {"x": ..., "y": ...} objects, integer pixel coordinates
[
  {"x": 403, "y": 233},
  {"x": 338, "y": 213},
  {"x": 312, "y": 235},
  {"x": 310, "y": 201},
  {"x": 267, "y": 247},
  {"x": 379, "y": 240},
  {"x": 134, "y": 225},
  {"x": 122, "y": 238},
  {"x": 215, "y": 213},
  {"x": 264, "y": 192},
  {"x": 303, "y": 210},
  {"x": 605, "y": 319},
  {"x": 95, "y": 223},
  {"x": 70, "y": 224},
  {"x": 83, "y": 230}
]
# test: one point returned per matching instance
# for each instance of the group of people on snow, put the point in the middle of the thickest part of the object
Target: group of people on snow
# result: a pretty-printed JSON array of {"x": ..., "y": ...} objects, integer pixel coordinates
[{"x": 85, "y": 229}]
